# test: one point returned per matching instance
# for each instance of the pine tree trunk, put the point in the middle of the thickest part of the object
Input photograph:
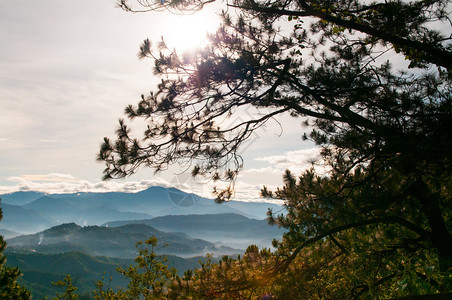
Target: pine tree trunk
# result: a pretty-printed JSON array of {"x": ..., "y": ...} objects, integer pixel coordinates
[{"x": 440, "y": 236}]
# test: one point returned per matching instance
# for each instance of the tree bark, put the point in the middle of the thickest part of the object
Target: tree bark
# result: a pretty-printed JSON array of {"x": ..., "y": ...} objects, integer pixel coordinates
[{"x": 440, "y": 236}]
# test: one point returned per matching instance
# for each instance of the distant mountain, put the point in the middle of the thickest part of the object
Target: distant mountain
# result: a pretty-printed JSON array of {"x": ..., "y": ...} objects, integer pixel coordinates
[
  {"x": 66, "y": 210},
  {"x": 155, "y": 201},
  {"x": 24, "y": 220},
  {"x": 39, "y": 211},
  {"x": 7, "y": 234},
  {"x": 47, "y": 211},
  {"x": 40, "y": 270},
  {"x": 20, "y": 198},
  {"x": 51, "y": 205},
  {"x": 113, "y": 242},
  {"x": 150, "y": 201},
  {"x": 232, "y": 229},
  {"x": 257, "y": 209}
]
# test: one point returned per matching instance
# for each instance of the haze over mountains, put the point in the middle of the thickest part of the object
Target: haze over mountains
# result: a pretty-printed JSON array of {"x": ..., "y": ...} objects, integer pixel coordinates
[
  {"x": 230, "y": 229},
  {"x": 113, "y": 242},
  {"x": 50, "y": 235},
  {"x": 30, "y": 212}
]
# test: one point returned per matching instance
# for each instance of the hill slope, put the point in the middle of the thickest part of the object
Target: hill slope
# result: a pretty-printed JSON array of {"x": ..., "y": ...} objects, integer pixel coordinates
[
  {"x": 23, "y": 220},
  {"x": 114, "y": 242},
  {"x": 232, "y": 229},
  {"x": 156, "y": 201},
  {"x": 40, "y": 270}
]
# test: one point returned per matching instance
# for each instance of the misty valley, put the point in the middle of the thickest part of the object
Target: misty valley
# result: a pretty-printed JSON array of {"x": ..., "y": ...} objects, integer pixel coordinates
[{"x": 90, "y": 235}]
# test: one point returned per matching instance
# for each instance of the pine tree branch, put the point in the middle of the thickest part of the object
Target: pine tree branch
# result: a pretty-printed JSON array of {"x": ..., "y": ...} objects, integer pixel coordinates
[{"x": 384, "y": 220}]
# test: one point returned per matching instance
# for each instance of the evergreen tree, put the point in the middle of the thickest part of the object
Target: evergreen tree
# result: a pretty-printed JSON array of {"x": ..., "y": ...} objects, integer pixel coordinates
[
  {"x": 70, "y": 291},
  {"x": 9, "y": 288},
  {"x": 385, "y": 134},
  {"x": 148, "y": 278}
]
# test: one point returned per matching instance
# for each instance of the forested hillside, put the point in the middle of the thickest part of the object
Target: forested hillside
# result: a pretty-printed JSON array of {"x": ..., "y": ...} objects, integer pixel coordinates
[{"x": 114, "y": 242}]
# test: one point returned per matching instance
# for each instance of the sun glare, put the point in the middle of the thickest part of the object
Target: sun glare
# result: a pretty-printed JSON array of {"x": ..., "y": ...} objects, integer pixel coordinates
[{"x": 189, "y": 32}]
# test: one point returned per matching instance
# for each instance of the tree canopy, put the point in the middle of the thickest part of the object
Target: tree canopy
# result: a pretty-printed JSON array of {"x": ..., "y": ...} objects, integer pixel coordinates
[
  {"x": 9, "y": 288},
  {"x": 385, "y": 131},
  {"x": 343, "y": 85}
]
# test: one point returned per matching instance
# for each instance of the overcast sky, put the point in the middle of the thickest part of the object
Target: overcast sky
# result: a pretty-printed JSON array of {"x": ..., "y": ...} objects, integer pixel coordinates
[{"x": 68, "y": 69}]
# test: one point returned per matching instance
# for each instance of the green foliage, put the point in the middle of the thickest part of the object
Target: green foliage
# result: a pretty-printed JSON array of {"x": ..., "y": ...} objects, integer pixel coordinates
[
  {"x": 40, "y": 270},
  {"x": 148, "y": 278},
  {"x": 350, "y": 265},
  {"x": 70, "y": 289},
  {"x": 330, "y": 69},
  {"x": 9, "y": 288},
  {"x": 377, "y": 224},
  {"x": 375, "y": 245}
]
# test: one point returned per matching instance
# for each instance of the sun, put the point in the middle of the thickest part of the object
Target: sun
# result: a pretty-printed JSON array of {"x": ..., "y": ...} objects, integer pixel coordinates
[{"x": 189, "y": 32}]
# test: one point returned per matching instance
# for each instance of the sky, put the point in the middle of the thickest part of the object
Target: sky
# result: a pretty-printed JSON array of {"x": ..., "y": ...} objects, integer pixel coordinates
[{"x": 68, "y": 69}]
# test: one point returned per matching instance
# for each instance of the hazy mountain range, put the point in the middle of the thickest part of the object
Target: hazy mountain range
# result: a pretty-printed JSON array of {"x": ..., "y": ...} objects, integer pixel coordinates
[
  {"x": 90, "y": 234},
  {"x": 231, "y": 229},
  {"x": 30, "y": 212},
  {"x": 113, "y": 242}
]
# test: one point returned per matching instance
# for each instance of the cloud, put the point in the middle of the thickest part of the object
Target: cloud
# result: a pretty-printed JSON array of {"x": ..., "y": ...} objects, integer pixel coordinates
[
  {"x": 260, "y": 171},
  {"x": 251, "y": 193},
  {"x": 244, "y": 191},
  {"x": 296, "y": 161},
  {"x": 47, "y": 141},
  {"x": 53, "y": 177},
  {"x": 65, "y": 183},
  {"x": 298, "y": 157},
  {"x": 56, "y": 183}
]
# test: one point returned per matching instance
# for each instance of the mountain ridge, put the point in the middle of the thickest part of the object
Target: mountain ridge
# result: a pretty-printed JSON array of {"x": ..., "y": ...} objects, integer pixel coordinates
[
  {"x": 155, "y": 200},
  {"x": 98, "y": 208},
  {"x": 226, "y": 228},
  {"x": 113, "y": 242}
]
